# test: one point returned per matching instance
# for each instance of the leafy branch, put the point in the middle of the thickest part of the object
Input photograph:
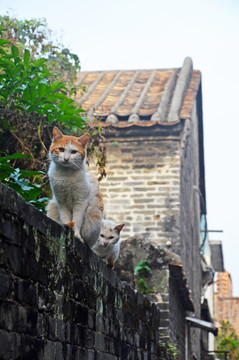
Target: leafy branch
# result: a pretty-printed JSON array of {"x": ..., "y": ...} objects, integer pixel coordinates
[
  {"x": 26, "y": 86},
  {"x": 18, "y": 180}
]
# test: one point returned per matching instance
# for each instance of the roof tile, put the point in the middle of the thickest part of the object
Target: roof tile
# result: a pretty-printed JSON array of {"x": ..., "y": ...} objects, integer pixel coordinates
[{"x": 137, "y": 97}]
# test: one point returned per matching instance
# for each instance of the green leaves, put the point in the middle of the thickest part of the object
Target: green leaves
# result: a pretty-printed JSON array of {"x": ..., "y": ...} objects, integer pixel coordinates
[
  {"x": 142, "y": 268},
  {"x": 143, "y": 287},
  {"x": 35, "y": 36},
  {"x": 15, "y": 52},
  {"x": 26, "y": 85},
  {"x": 4, "y": 42},
  {"x": 167, "y": 350},
  {"x": 227, "y": 340},
  {"x": 26, "y": 57},
  {"x": 18, "y": 180},
  {"x": 31, "y": 99}
]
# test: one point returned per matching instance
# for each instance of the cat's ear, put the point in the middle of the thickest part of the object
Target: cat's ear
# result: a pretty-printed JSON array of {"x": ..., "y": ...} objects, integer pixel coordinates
[
  {"x": 84, "y": 139},
  {"x": 119, "y": 227},
  {"x": 57, "y": 134}
]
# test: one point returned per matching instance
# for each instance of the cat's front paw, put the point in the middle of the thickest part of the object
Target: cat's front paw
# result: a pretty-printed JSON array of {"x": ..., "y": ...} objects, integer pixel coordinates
[{"x": 77, "y": 235}]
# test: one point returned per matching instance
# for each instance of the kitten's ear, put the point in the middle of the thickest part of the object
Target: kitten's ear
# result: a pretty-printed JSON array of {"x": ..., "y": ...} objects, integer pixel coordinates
[
  {"x": 57, "y": 134},
  {"x": 84, "y": 139},
  {"x": 119, "y": 227}
]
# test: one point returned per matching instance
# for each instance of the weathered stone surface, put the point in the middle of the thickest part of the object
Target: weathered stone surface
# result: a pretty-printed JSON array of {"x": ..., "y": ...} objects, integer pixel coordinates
[
  {"x": 166, "y": 284},
  {"x": 58, "y": 301}
]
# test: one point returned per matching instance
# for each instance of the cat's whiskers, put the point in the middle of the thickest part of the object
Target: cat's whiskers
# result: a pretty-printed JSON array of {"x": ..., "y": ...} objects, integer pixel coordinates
[{"x": 78, "y": 166}]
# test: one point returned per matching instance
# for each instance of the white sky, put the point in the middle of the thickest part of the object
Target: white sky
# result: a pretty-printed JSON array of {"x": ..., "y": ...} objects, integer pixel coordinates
[{"x": 144, "y": 34}]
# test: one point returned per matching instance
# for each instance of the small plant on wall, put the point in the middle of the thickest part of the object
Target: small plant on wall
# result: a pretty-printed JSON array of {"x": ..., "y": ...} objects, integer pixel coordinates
[
  {"x": 143, "y": 270},
  {"x": 168, "y": 350}
]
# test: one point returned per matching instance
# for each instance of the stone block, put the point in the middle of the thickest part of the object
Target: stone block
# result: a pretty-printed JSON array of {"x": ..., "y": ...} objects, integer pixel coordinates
[{"x": 7, "y": 345}]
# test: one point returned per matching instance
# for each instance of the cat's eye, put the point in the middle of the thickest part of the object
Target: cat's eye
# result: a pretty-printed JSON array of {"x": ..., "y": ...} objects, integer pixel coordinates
[
  {"x": 111, "y": 237},
  {"x": 73, "y": 151},
  {"x": 102, "y": 235},
  {"x": 61, "y": 149}
]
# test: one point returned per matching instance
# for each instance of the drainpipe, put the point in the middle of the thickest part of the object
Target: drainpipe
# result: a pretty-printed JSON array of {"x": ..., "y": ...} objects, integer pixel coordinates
[{"x": 186, "y": 340}]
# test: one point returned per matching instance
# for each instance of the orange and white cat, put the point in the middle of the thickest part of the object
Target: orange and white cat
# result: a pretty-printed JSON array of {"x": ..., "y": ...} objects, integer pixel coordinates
[
  {"x": 107, "y": 246},
  {"x": 76, "y": 201}
]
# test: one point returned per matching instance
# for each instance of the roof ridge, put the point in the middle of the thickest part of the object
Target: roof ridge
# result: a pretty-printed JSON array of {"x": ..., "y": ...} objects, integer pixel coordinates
[
  {"x": 160, "y": 114},
  {"x": 180, "y": 89}
]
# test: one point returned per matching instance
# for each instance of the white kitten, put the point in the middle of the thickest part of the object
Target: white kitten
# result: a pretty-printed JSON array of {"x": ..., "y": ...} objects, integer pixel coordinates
[
  {"x": 77, "y": 201},
  {"x": 107, "y": 246}
]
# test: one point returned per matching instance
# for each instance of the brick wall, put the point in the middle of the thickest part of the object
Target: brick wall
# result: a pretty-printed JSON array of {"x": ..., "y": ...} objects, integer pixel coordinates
[
  {"x": 58, "y": 301},
  {"x": 226, "y": 305},
  {"x": 152, "y": 185},
  {"x": 142, "y": 188}
]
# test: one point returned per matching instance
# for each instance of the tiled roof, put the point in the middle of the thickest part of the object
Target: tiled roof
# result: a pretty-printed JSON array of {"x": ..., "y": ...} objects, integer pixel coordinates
[{"x": 139, "y": 97}]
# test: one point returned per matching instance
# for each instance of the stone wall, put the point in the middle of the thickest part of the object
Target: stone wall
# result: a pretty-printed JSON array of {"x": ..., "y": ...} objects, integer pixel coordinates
[
  {"x": 142, "y": 188},
  {"x": 177, "y": 314},
  {"x": 166, "y": 285},
  {"x": 58, "y": 301}
]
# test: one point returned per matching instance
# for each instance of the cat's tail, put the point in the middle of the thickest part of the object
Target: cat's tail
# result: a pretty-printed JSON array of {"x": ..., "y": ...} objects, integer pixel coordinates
[{"x": 52, "y": 211}]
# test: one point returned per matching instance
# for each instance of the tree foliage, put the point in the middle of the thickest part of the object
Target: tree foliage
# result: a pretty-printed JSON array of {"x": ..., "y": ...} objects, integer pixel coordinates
[
  {"x": 227, "y": 340},
  {"x": 35, "y": 36},
  {"x": 32, "y": 100}
]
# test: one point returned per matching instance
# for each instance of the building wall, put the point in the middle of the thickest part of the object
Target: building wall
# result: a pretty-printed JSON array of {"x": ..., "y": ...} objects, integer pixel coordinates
[
  {"x": 190, "y": 212},
  {"x": 153, "y": 186},
  {"x": 226, "y": 305},
  {"x": 142, "y": 188},
  {"x": 58, "y": 301},
  {"x": 190, "y": 216}
]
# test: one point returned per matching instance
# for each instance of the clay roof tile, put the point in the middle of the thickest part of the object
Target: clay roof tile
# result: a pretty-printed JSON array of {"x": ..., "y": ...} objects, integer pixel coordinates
[{"x": 139, "y": 97}]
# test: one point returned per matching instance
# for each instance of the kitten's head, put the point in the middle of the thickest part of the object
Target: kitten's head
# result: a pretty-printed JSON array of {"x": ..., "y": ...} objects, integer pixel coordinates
[
  {"x": 68, "y": 151},
  {"x": 110, "y": 233}
]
